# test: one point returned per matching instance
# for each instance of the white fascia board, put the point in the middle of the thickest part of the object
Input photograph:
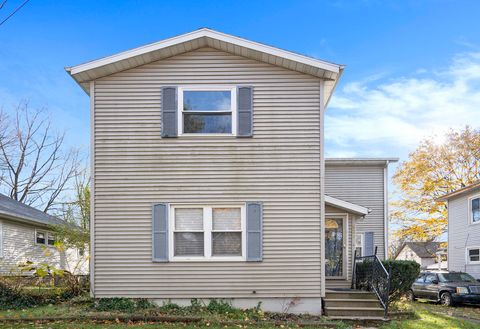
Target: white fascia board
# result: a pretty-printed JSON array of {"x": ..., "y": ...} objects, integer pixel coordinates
[
  {"x": 351, "y": 207},
  {"x": 210, "y": 34}
]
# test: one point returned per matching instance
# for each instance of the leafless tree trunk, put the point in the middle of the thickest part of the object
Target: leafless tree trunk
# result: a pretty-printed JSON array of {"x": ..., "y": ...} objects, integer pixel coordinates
[{"x": 34, "y": 167}]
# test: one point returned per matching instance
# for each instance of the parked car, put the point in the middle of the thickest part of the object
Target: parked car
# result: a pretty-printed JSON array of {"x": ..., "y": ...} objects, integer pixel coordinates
[{"x": 448, "y": 288}]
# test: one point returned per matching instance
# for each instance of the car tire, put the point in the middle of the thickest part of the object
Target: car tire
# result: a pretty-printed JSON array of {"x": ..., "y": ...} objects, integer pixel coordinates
[
  {"x": 446, "y": 299},
  {"x": 410, "y": 296}
]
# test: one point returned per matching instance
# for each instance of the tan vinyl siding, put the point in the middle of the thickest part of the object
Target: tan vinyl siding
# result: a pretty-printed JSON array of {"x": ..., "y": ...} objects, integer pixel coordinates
[
  {"x": 279, "y": 166},
  {"x": 362, "y": 185},
  {"x": 462, "y": 234}
]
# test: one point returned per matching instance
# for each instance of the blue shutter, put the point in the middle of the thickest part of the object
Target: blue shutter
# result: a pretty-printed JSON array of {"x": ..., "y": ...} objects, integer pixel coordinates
[
  {"x": 160, "y": 232},
  {"x": 369, "y": 244},
  {"x": 169, "y": 112},
  {"x": 254, "y": 212},
  {"x": 244, "y": 111}
]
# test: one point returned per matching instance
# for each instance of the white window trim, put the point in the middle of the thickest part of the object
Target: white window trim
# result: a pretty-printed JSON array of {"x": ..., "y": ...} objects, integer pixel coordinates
[
  {"x": 362, "y": 235},
  {"x": 46, "y": 233},
  {"x": 467, "y": 256},
  {"x": 207, "y": 237},
  {"x": 470, "y": 210},
  {"x": 233, "y": 106},
  {"x": 1, "y": 239}
]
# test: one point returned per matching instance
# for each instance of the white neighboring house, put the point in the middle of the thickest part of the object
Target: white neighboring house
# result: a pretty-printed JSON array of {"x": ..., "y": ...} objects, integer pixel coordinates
[
  {"x": 25, "y": 235},
  {"x": 424, "y": 253},
  {"x": 464, "y": 229}
]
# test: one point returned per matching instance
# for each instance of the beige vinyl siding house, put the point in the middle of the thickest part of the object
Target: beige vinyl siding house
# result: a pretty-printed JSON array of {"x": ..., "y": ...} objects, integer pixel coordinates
[
  {"x": 260, "y": 173},
  {"x": 464, "y": 229}
]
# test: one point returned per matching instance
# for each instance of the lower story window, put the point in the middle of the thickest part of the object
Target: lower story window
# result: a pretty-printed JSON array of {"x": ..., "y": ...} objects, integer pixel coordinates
[
  {"x": 207, "y": 232},
  {"x": 473, "y": 255},
  {"x": 46, "y": 238},
  {"x": 40, "y": 237}
]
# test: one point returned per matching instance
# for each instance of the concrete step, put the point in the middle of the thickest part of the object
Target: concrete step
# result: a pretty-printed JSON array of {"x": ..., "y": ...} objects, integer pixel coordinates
[
  {"x": 354, "y": 311},
  {"x": 351, "y": 302},
  {"x": 350, "y": 294}
]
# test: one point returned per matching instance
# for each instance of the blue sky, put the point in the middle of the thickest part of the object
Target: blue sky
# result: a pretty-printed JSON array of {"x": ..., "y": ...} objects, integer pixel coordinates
[{"x": 413, "y": 67}]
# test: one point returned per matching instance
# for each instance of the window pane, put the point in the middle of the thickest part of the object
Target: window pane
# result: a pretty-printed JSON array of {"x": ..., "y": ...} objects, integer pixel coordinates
[
  {"x": 40, "y": 237},
  {"x": 207, "y": 123},
  {"x": 227, "y": 244},
  {"x": 51, "y": 240},
  {"x": 359, "y": 251},
  {"x": 226, "y": 219},
  {"x": 188, "y": 244},
  {"x": 189, "y": 219},
  {"x": 476, "y": 210},
  {"x": 358, "y": 240},
  {"x": 474, "y": 255},
  {"x": 206, "y": 101}
]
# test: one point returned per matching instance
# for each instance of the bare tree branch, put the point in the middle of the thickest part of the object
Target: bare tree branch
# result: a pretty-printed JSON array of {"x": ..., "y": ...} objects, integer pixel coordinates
[{"x": 35, "y": 167}]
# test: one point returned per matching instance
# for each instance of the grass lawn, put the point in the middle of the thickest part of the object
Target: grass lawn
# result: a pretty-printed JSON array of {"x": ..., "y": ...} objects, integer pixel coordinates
[{"x": 433, "y": 316}]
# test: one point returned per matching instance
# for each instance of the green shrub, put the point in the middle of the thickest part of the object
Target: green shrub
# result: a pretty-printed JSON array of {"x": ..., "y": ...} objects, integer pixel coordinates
[
  {"x": 115, "y": 304},
  {"x": 11, "y": 298},
  {"x": 219, "y": 306},
  {"x": 403, "y": 274},
  {"x": 122, "y": 304},
  {"x": 143, "y": 304}
]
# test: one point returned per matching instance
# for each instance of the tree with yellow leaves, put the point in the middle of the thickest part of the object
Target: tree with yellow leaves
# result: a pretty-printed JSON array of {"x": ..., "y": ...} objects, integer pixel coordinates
[{"x": 432, "y": 170}]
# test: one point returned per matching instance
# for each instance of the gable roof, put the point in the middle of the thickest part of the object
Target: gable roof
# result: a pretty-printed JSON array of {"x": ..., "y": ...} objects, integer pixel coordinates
[
  {"x": 84, "y": 73},
  {"x": 15, "y": 210},
  {"x": 348, "y": 206},
  {"x": 461, "y": 191},
  {"x": 422, "y": 249}
]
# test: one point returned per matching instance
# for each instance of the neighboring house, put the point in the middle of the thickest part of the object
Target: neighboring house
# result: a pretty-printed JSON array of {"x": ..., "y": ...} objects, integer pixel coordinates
[
  {"x": 424, "y": 253},
  {"x": 209, "y": 177},
  {"x": 25, "y": 235},
  {"x": 464, "y": 229}
]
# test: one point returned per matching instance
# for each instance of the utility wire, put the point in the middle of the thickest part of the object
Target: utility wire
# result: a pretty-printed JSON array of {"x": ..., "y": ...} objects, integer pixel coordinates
[
  {"x": 14, "y": 12},
  {"x": 3, "y": 3}
]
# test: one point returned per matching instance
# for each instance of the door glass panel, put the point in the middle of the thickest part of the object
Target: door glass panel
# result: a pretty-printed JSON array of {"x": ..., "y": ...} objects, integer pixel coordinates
[{"x": 334, "y": 247}]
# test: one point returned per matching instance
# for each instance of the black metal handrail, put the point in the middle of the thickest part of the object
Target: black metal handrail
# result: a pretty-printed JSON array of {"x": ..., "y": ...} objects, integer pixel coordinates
[{"x": 368, "y": 273}]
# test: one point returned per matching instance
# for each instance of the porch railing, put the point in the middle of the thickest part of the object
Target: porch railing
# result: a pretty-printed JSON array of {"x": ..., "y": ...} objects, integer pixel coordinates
[{"x": 368, "y": 273}]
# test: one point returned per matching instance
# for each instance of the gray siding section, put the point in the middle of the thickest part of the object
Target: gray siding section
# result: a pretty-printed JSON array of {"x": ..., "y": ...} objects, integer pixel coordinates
[
  {"x": 19, "y": 246},
  {"x": 279, "y": 166},
  {"x": 361, "y": 184},
  {"x": 462, "y": 234}
]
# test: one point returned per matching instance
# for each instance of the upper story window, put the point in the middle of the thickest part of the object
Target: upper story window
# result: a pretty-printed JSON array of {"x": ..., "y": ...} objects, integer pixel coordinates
[
  {"x": 208, "y": 111},
  {"x": 207, "y": 233},
  {"x": 475, "y": 209}
]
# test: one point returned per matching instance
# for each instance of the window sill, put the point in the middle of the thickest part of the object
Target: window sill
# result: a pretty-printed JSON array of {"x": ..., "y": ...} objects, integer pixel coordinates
[
  {"x": 206, "y": 135},
  {"x": 206, "y": 260}
]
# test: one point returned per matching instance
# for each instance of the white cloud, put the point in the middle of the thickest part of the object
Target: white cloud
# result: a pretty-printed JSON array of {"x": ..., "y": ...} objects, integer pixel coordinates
[{"x": 380, "y": 116}]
